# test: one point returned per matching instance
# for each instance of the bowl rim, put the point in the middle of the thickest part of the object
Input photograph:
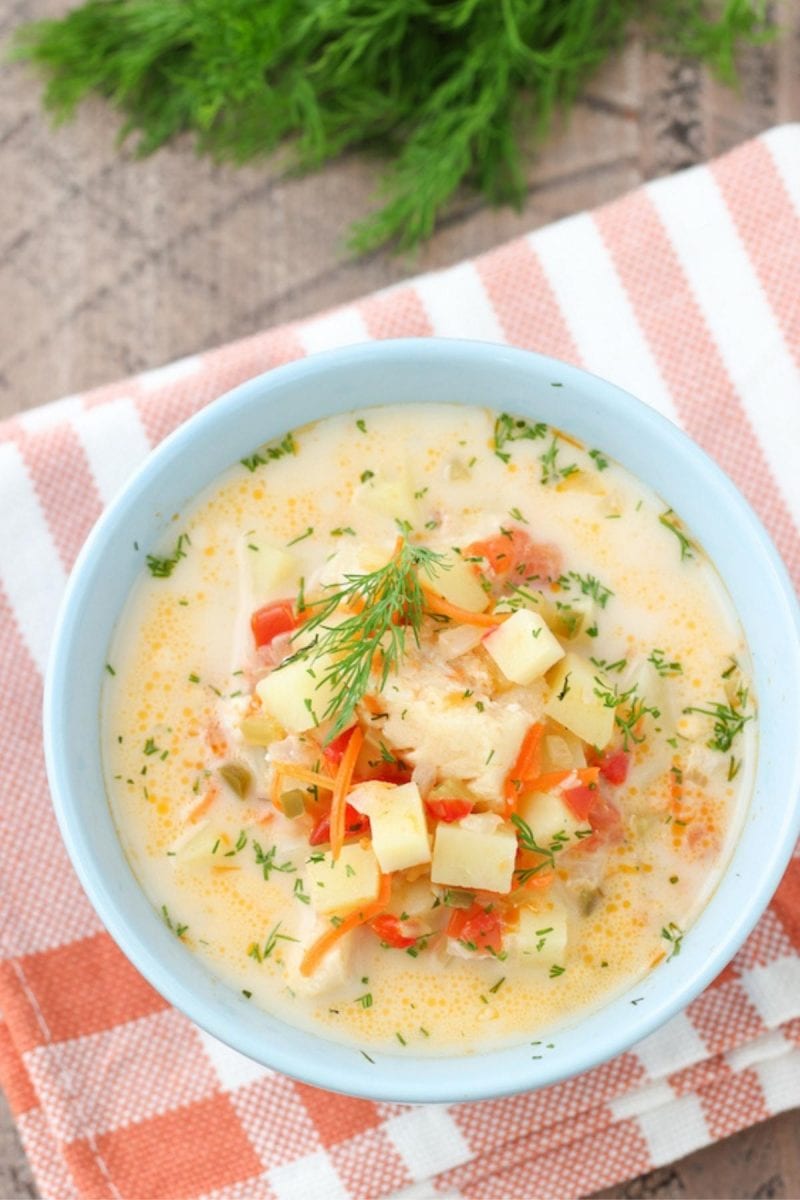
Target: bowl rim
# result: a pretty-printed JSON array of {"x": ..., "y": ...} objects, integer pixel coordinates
[{"x": 437, "y": 1079}]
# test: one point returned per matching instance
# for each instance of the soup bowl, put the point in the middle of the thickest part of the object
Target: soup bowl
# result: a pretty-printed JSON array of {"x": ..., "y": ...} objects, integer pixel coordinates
[{"x": 403, "y": 372}]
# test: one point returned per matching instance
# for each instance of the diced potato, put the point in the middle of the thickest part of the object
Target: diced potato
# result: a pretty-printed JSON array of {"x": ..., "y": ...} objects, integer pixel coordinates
[
  {"x": 199, "y": 848},
  {"x": 270, "y": 568},
  {"x": 260, "y": 729},
  {"x": 295, "y": 696},
  {"x": 467, "y": 854},
  {"x": 397, "y": 819},
  {"x": 459, "y": 585},
  {"x": 523, "y": 647},
  {"x": 573, "y": 703},
  {"x": 540, "y": 939},
  {"x": 351, "y": 881},
  {"x": 548, "y": 815}
]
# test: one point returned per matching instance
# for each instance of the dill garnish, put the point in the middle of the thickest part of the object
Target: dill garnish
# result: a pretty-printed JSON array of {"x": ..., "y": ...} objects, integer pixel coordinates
[
  {"x": 673, "y": 934},
  {"x": 514, "y": 429},
  {"x": 375, "y": 602},
  {"x": 552, "y": 472},
  {"x": 662, "y": 665},
  {"x": 270, "y": 452},
  {"x": 729, "y": 720},
  {"x": 672, "y": 523},
  {"x": 162, "y": 568}
]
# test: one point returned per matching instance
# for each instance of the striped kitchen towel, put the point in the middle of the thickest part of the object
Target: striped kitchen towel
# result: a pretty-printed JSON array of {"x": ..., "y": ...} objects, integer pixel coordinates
[{"x": 687, "y": 293}]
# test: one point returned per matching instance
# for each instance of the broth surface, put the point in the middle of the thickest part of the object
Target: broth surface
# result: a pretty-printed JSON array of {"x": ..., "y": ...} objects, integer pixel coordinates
[{"x": 625, "y": 590}]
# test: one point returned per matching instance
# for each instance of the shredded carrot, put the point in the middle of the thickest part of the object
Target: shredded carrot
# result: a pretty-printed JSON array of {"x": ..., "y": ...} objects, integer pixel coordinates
[
  {"x": 275, "y": 787},
  {"x": 294, "y": 771},
  {"x": 551, "y": 779},
  {"x": 217, "y": 741},
  {"x": 204, "y": 805},
  {"x": 341, "y": 786},
  {"x": 316, "y": 952},
  {"x": 437, "y": 604},
  {"x": 565, "y": 437},
  {"x": 526, "y": 765}
]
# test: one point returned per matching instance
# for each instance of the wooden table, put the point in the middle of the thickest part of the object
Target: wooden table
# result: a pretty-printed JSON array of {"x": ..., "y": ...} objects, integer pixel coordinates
[{"x": 110, "y": 266}]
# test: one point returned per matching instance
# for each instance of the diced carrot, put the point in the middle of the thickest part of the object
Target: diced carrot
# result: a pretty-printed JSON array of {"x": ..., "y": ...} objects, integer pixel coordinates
[
  {"x": 437, "y": 604},
  {"x": 316, "y": 952},
  {"x": 341, "y": 786},
  {"x": 525, "y": 766}
]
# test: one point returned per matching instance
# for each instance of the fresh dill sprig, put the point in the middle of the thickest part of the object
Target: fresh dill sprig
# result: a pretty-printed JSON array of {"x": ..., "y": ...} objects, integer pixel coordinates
[
  {"x": 527, "y": 841},
  {"x": 443, "y": 90},
  {"x": 383, "y": 607},
  {"x": 629, "y": 708},
  {"x": 729, "y": 720}
]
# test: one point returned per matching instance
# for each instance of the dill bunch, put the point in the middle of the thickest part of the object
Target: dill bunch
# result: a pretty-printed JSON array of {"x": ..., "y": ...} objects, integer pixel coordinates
[
  {"x": 441, "y": 88},
  {"x": 384, "y": 606}
]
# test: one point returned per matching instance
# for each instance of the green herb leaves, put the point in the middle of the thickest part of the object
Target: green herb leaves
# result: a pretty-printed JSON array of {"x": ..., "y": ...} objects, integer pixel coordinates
[
  {"x": 162, "y": 568},
  {"x": 509, "y": 429},
  {"x": 270, "y": 452},
  {"x": 443, "y": 89},
  {"x": 729, "y": 720},
  {"x": 673, "y": 524},
  {"x": 371, "y": 633}
]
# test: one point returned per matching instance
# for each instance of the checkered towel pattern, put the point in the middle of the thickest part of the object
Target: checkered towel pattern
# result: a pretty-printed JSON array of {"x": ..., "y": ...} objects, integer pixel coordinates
[{"x": 686, "y": 292}]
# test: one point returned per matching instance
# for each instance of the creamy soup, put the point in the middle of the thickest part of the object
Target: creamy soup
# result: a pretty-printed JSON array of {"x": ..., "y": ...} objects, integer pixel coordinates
[{"x": 428, "y": 728}]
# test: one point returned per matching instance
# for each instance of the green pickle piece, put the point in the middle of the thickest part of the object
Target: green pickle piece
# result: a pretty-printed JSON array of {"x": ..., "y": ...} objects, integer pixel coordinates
[{"x": 238, "y": 777}]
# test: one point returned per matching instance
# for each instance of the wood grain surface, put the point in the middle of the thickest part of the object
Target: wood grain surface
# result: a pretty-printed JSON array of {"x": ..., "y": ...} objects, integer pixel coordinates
[{"x": 109, "y": 265}]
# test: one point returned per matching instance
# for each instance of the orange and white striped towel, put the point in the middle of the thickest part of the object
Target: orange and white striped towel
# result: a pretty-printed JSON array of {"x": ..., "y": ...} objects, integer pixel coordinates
[{"x": 686, "y": 292}]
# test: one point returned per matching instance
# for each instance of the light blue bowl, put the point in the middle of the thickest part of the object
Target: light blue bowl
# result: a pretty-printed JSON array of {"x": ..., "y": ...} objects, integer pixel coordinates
[{"x": 407, "y": 372}]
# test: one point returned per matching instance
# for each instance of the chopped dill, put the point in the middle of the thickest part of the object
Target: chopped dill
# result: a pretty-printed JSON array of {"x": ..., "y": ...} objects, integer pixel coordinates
[{"x": 352, "y": 645}]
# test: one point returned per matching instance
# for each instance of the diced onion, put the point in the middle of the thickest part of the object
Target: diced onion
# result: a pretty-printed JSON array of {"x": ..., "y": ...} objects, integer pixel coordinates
[
  {"x": 459, "y": 640},
  {"x": 424, "y": 776}
]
